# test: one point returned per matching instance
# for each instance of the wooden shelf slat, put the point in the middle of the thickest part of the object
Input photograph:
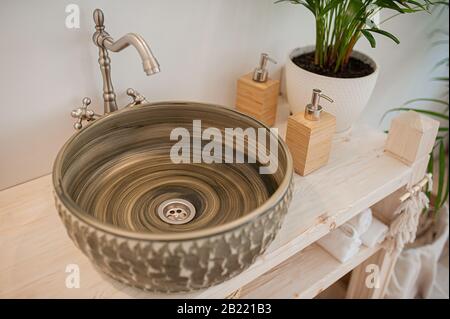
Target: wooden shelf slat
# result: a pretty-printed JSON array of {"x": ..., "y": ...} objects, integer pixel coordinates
[{"x": 304, "y": 275}]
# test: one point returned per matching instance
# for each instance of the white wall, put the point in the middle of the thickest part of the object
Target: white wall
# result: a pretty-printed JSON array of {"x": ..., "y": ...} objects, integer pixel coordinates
[{"x": 203, "y": 46}]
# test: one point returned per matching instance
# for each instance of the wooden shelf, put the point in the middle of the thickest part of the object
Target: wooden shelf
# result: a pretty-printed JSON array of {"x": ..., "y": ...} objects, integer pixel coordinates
[
  {"x": 304, "y": 275},
  {"x": 35, "y": 250}
]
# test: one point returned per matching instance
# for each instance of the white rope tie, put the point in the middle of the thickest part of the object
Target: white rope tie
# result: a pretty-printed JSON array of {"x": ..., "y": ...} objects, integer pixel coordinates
[{"x": 403, "y": 229}]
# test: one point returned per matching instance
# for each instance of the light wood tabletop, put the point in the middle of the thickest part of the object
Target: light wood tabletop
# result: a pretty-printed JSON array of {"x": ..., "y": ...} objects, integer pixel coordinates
[{"x": 35, "y": 250}]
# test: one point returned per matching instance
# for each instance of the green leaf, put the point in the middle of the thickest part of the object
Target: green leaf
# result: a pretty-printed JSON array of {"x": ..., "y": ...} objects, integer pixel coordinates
[
  {"x": 439, "y": 32},
  {"x": 354, "y": 8},
  {"x": 406, "y": 109},
  {"x": 331, "y": 5},
  {"x": 389, "y": 4},
  {"x": 370, "y": 37},
  {"x": 386, "y": 34},
  {"x": 441, "y": 176},
  {"x": 445, "y": 3},
  {"x": 441, "y": 63},
  {"x": 437, "y": 101},
  {"x": 311, "y": 5},
  {"x": 441, "y": 79},
  {"x": 419, "y": 5},
  {"x": 440, "y": 42}
]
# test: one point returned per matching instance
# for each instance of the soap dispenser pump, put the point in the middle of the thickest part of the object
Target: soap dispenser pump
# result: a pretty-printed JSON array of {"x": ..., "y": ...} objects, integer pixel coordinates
[
  {"x": 314, "y": 110},
  {"x": 261, "y": 73},
  {"x": 257, "y": 93},
  {"x": 309, "y": 135}
]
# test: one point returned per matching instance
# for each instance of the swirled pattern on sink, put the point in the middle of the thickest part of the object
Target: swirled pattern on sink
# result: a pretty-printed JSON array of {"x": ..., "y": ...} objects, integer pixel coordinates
[
  {"x": 111, "y": 177},
  {"x": 127, "y": 191}
]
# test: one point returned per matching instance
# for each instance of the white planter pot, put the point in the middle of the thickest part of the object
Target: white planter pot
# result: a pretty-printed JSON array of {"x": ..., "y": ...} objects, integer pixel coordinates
[{"x": 350, "y": 95}]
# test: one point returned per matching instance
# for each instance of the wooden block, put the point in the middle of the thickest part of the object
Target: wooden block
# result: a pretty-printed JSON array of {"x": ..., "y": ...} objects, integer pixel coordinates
[
  {"x": 258, "y": 100},
  {"x": 310, "y": 141},
  {"x": 411, "y": 137}
]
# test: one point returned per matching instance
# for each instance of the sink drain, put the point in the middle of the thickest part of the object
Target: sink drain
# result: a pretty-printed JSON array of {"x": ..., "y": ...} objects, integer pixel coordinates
[{"x": 176, "y": 211}]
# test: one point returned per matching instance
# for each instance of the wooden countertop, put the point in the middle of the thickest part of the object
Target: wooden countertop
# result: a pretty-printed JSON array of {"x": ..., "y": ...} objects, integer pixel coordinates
[{"x": 35, "y": 249}]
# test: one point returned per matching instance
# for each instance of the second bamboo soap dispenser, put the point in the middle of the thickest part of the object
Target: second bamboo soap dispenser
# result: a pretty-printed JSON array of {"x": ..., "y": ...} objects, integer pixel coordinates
[
  {"x": 309, "y": 136},
  {"x": 257, "y": 94}
]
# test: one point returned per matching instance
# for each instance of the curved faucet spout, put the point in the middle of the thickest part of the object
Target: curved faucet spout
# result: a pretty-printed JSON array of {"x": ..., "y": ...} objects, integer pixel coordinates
[
  {"x": 106, "y": 43},
  {"x": 149, "y": 62}
]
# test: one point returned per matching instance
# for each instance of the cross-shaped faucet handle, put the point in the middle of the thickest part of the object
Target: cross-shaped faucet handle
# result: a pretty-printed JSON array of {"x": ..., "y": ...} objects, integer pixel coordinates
[
  {"x": 83, "y": 114},
  {"x": 137, "y": 97}
]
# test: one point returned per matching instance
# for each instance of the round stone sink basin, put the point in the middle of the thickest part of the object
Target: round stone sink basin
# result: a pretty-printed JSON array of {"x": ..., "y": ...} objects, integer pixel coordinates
[{"x": 169, "y": 217}]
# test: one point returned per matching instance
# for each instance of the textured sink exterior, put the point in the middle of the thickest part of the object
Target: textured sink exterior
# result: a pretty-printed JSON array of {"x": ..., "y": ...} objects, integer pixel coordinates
[
  {"x": 176, "y": 266},
  {"x": 182, "y": 261}
]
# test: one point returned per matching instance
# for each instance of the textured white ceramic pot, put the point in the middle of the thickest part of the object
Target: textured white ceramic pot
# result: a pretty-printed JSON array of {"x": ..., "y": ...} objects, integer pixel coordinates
[{"x": 350, "y": 95}]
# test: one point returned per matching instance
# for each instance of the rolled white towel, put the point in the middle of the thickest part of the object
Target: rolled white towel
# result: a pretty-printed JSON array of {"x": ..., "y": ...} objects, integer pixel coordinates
[
  {"x": 362, "y": 222},
  {"x": 376, "y": 234},
  {"x": 340, "y": 244}
]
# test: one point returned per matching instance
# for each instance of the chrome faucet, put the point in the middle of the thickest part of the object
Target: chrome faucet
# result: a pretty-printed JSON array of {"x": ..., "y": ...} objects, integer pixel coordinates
[{"x": 105, "y": 43}]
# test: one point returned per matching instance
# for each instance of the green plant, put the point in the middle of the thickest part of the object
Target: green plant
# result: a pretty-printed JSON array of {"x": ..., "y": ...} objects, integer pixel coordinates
[
  {"x": 440, "y": 151},
  {"x": 341, "y": 23}
]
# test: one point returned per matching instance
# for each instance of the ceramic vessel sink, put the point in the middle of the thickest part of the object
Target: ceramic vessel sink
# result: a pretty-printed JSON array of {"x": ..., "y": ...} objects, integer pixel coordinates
[{"x": 161, "y": 226}]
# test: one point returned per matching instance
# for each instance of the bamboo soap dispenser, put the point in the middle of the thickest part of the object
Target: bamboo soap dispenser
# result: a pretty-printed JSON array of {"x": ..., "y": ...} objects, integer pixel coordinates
[
  {"x": 257, "y": 94},
  {"x": 309, "y": 136}
]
